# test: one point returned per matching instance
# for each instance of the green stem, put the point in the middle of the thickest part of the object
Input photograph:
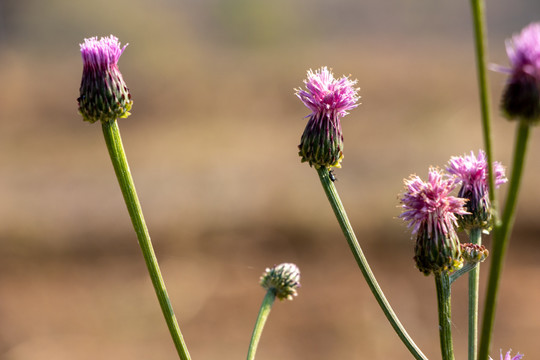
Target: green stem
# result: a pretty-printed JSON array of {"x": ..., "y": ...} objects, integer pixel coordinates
[
  {"x": 442, "y": 283},
  {"x": 456, "y": 274},
  {"x": 501, "y": 238},
  {"x": 264, "y": 311},
  {"x": 479, "y": 24},
  {"x": 346, "y": 227},
  {"x": 123, "y": 174},
  {"x": 475, "y": 237}
]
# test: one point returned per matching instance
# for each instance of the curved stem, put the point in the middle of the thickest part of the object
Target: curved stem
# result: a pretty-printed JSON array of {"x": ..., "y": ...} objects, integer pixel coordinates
[
  {"x": 501, "y": 238},
  {"x": 264, "y": 311},
  {"x": 123, "y": 174},
  {"x": 442, "y": 283},
  {"x": 346, "y": 227},
  {"x": 475, "y": 236}
]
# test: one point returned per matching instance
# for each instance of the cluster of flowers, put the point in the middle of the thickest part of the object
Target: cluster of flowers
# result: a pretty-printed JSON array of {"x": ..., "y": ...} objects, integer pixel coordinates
[
  {"x": 430, "y": 209},
  {"x": 434, "y": 214}
]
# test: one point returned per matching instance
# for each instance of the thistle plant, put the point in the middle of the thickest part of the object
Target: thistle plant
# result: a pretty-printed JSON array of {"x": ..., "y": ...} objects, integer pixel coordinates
[
  {"x": 520, "y": 101},
  {"x": 104, "y": 97},
  {"x": 472, "y": 173},
  {"x": 282, "y": 282},
  {"x": 321, "y": 145},
  {"x": 460, "y": 198},
  {"x": 432, "y": 213}
]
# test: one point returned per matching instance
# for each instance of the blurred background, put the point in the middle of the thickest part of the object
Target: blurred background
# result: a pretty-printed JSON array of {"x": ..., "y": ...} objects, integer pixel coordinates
[{"x": 212, "y": 144}]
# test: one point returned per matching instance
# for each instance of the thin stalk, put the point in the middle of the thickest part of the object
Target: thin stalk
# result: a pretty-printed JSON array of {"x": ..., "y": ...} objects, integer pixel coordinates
[
  {"x": 475, "y": 237},
  {"x": 501, "y": 238},
  {"x": 442, "y": 283},
  {"x": 264, "y": 311},
  {"x": 480, "y": 41},
  {"x": 123, "y": 174},
  {"x": 456, "y": 274},
  {"x": 361, "y": 260}
]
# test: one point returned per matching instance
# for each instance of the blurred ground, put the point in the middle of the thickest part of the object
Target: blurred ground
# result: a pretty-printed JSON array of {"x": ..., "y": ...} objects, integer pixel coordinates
[{"x": 212, "y": 147}]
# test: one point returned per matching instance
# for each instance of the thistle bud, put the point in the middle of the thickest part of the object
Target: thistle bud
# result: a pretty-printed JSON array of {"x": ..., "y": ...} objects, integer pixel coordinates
[
  {"x": 474, "y": 253},
  {"x": 431, "y": 213},
  {"x": 283, "y": 280},
  {"x": 329, "y": 100},
  {"x": 472, "y": 173},
  {"x": 521, "y": 96},
  {"x": 104, "y": 95}
]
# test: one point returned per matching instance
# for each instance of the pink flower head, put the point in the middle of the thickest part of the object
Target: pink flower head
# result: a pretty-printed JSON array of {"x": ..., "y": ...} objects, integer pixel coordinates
[
  {"x": 521, "y": 97},
  {"x": 329, "y": 100},
  {"x": 326, "y": 95},
  {"x": 104, "y": 95},
  {"x": 509, "y": 357},
  {"x": 430, "y": 203},
  {"x": 431, "y": 212},
  {"x": 472, "y": 173}
]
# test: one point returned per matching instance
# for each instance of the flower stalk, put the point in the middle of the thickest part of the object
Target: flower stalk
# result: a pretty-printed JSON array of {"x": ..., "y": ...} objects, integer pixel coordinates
[
  {"x": 475, "y": 237},
  {"x": 105, "y": 97},
  {"x": 520, "y": 101},
  {"x": 264, "y": 312},
  {"x": 480, "y": 42},
  {"x": 442, "y": 283},
  {"x": 281, "y": 281},
  {"x": 343, "y": 220},
  {"x": 501, "y": 238},
  {"x": 113, "y": 140}
]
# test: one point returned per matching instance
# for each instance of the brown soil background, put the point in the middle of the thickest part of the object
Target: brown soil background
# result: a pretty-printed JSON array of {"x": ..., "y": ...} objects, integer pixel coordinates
[{"x": 212, "y": 147}]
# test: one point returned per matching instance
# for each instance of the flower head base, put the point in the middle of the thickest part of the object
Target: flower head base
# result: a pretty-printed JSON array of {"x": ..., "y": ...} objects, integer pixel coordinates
[
  {"x": 472, "y": 173},
  {"x": 509, "y": 357},
  {"x": 431, "y": 213},
  {"x": 329, "y": 99},
  {"x": 104, "y": 95},
  {"x": 521, "y": 97},
  {"x": 283, "y": 280}
]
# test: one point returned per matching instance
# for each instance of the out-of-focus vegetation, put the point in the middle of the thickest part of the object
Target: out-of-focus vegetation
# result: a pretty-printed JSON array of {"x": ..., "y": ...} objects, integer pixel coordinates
[{"x": 212, "y": 147}]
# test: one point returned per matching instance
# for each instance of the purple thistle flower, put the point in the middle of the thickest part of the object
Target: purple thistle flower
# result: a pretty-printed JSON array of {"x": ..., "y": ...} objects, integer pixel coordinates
[
  {"x": 329, "y": 99},
  {"x": 472, "y": 173},
  {"x": 431, "y": 212},
  {"x": 509, "y": 357},
  {"x": 521, "y": 97},
  {"x": 104, "y": 95}
]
